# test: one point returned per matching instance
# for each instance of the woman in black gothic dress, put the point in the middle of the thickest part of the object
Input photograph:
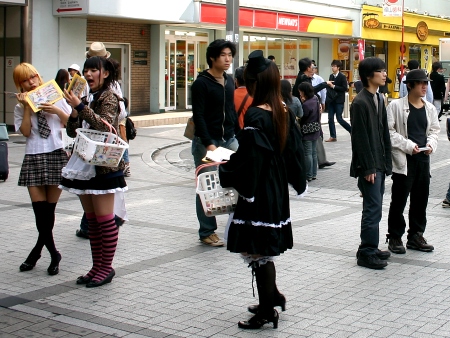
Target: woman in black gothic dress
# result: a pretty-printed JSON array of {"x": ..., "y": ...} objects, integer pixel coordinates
[{"x": 270, "y": 156}]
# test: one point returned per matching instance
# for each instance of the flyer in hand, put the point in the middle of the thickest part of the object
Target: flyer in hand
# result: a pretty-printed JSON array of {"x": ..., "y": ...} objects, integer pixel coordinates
[
  {"x": 218, "y": 155},
  {"x": 49, "y": 92},
  {"x": 77, "y": 85}
]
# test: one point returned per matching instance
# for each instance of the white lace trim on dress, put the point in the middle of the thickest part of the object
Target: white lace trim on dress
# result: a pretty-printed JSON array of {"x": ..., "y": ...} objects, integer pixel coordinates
[
  {"x": 260, "y": 260},
  {"x": 250, "y": 128},
  {"x": 92, "y": 192},
  {"x": 249, "y": 200},
  {"x": 263, "y": 224}
]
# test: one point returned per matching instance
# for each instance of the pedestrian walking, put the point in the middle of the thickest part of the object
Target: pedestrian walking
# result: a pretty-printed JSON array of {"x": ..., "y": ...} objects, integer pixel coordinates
[
  {"x": 371, "y": 158},
  {"x": 311, "y": 118},
  {"x": 270, "y": 156},
  {"x": 437, "y": 86},
  {"x": 338, "y": 86},
  {"x": 414, "y": 129},
  {"x": 292, "y": 102},
  {"x": 215, "y": 120},
  {"x": 97, "y": 193},
  {"x": 242, "y": 99},
  {"x": 43, "y": 161}
]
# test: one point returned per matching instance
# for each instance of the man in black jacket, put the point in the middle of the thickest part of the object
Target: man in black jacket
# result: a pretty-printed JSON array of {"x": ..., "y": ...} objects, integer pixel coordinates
[
  {"x": 371, "y": 158},
  {"x": 437, "y": 86},
  {"x": 215, "y": 119},
  {"x": 306, "y": 72},
  {"x": 338, "y": 83}
]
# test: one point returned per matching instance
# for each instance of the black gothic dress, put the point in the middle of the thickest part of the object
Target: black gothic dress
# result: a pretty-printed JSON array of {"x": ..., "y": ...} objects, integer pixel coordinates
[{"x": 261, "y": 174}]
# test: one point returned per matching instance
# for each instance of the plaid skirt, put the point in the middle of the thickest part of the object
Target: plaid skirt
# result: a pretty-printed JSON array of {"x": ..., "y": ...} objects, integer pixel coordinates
[{"x": 42, "y": 169}]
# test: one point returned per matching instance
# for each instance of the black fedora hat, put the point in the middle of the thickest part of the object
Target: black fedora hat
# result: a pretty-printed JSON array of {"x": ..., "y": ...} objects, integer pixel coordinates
[
  {"x": 416, "y": 75},
  {"x": 257, "y": 62}
]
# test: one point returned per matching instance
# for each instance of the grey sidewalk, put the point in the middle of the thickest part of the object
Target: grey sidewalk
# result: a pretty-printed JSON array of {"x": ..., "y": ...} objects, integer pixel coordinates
[{"x": 169, "y": 285}]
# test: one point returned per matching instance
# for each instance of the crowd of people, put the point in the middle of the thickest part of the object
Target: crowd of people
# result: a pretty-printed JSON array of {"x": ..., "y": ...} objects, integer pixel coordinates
[
  {"x": 279, "y": 130},
  {"x": 274, "y": 130},
  {"x": 47, "y": 168}
]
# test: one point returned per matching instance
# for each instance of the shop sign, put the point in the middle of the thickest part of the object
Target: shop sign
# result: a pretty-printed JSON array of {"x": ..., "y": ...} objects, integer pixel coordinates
[
  {"x": 372, "y": 23},
  {"x": 289, "y": 22},
  {"x": 426, "y": 57},
  {"x": 140, "y": 62},
  {"x": 392, "y": 8},
  {"x": 140, "y": 53},
  {"x": 361, "y": 50},
  {"x": 70, "y": 7},
  {"x": 422, "y": 31},
  {"x": 391, "y": 27}
]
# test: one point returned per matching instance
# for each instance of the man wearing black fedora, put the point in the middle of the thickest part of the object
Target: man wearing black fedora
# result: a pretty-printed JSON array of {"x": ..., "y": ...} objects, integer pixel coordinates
[{"x": 414, "y": 130}]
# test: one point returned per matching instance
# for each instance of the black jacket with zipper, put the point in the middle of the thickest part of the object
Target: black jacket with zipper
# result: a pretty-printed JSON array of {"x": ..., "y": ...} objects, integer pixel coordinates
[
  {"x": 371, "y": 141},
  {"x": 213, "y": 108}
]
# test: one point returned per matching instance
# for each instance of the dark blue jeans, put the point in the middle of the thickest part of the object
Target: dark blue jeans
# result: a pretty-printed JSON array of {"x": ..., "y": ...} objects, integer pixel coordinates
[
  {"x": 371, "y": 214},
  {"x": 208, "y": 225},
  {"x": 336, "y": 109}
]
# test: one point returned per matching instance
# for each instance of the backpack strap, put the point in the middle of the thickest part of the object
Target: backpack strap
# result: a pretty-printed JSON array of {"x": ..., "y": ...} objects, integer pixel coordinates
[{"x": 239, "y": 112}]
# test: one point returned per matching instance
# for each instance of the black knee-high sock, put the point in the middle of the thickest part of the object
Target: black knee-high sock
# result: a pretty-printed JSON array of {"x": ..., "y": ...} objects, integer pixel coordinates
[
  {"x": 49, "y": 225},
  {"x": 265, "y": 281},
  {"x": 39, "y": 214}
]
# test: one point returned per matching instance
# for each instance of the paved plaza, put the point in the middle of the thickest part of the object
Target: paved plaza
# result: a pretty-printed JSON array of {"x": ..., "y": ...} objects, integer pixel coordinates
[{"x": 168, "y": 284}]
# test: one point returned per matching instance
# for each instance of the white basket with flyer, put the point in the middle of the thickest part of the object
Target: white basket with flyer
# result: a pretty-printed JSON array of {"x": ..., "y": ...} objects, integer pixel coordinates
[
  {"x": 215, "y": 199},
  {"x": 67, "y": 141},
  {"x": 100, "y": 148}
]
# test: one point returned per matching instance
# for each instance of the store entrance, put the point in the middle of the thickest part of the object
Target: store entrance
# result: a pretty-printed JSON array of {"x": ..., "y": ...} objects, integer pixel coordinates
[{"x": 185, "y": 58}]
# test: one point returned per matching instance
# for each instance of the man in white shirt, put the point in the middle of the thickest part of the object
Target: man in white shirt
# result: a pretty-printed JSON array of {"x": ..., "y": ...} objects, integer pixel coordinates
[{"x": 414, "y": 64}]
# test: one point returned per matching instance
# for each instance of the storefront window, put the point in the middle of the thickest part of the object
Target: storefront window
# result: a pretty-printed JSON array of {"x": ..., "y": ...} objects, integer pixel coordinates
[{"x": 286, "y": 50}]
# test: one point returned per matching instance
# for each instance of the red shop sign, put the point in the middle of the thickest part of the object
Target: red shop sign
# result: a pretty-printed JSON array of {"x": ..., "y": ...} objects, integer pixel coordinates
[{"x": 289, "y": 22}]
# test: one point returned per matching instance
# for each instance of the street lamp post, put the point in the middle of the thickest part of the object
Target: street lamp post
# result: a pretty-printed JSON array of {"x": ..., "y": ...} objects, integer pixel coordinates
[{"x": 232, "y": 29}]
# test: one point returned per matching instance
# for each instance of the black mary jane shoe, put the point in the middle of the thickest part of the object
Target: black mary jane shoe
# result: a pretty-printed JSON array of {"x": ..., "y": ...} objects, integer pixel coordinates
[
  {"x": 106, "y": 280},
  {"x": 29, "y": 263},
  {"x": 53, "y": 268},
  {"x": 26, "y": 266},
  {"x": 257, "y": 321},
  {"x": 83, "y": 280},
  {"x": 281, "y": 303}
]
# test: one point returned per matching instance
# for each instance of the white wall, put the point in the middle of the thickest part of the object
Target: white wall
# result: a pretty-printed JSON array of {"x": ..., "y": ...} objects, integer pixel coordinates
[
  {"x": 325, "y": 57},
  {"x": 435, "y": 7},
  {"x": 166, "y": 10},
  {"x": 56, "y": 42}
]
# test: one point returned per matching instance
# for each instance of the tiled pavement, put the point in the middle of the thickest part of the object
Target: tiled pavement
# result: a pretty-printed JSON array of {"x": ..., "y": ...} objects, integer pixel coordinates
[{"x": 169, "y": 285}]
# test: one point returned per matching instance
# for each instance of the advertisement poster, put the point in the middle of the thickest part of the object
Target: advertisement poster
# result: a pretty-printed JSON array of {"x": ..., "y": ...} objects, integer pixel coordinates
[{"x": 344, "y": 49}]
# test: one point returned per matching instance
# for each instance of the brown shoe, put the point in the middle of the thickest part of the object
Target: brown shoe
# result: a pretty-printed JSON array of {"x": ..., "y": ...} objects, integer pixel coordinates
[
  {"x": 331, "y": 139},
  {"x": 212, "y": 240}
]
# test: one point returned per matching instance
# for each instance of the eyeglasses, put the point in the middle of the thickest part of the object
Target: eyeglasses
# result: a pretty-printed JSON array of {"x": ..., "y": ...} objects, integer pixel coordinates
[
  {"x": 384, "y": 71},
  {"x": 29, "y": 79}
]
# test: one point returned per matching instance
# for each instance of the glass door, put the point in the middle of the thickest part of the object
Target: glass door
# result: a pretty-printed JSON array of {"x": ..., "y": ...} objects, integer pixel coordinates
[
  {"x": 170, "y": 75},
  {"x": 185, "y": 58}
]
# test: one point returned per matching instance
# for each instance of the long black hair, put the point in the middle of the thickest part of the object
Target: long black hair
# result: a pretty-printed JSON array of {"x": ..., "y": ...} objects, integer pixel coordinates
[
  {"x": 286, "y": 91},
  {"x": 62, "y": 77},
  {"x": 101, "y": 63}
]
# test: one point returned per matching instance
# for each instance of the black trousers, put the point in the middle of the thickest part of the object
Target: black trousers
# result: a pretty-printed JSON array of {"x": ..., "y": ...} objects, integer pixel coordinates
[{"x": 416, "y": 185}]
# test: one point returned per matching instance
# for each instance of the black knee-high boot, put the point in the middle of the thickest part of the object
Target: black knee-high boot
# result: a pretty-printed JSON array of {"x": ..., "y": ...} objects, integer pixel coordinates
[
  {"x": 265, "y": 282},
  {"x": 39, "y": 209}
]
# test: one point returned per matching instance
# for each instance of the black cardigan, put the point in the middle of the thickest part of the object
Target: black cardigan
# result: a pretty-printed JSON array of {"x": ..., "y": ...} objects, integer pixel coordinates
[{"x": 371, "y": 142}]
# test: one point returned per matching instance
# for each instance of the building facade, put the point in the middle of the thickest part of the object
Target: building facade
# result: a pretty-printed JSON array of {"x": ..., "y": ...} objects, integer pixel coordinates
[{"x": 162, "y": 48}]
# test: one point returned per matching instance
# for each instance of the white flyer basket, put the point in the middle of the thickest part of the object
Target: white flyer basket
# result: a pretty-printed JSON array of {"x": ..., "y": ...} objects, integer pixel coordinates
[
  {"x": 67, "y": 141},
  {"x": 99, "y": 148},
  {"x": 215, "y": 199}
]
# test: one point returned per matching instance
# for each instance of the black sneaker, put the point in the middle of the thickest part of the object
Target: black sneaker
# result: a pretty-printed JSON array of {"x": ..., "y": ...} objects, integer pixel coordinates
[
  {"x": 371, "y": 262},
  {"x": 446, "y": 203},
  {"x": 383, "y": 255},
  {"x": 417, "y": 242},
  {"x": 82, "y": 234},
  {"x": 396, "y": 245}
]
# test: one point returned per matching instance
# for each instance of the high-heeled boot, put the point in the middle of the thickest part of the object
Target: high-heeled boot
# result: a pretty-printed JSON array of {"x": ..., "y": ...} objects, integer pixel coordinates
[{"x": 265, "y": 283}]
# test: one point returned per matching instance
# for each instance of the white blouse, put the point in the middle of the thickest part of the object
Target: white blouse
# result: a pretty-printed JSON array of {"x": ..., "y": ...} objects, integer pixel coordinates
[{"x": 35, "y": 143}]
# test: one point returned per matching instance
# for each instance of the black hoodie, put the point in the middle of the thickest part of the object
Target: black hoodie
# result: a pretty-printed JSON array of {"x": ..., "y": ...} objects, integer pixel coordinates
[{"x": 213, "y": 109}]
